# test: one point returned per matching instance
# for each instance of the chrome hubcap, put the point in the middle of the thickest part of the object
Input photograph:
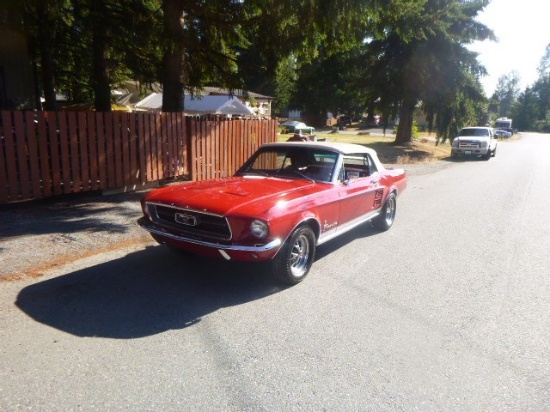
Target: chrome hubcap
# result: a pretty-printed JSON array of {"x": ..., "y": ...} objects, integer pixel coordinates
[
  {"x": 299, "y": 256},
  {"x": 390, "y": 210}
]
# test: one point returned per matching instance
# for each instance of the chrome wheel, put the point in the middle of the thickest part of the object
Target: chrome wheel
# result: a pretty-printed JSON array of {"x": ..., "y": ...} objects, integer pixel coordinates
[
  {"x": 294, "y": 260},
  {"x": 390, "y": 210},
  {"x": 387, "y": 214},
  {"x": 299, "y": 256}
]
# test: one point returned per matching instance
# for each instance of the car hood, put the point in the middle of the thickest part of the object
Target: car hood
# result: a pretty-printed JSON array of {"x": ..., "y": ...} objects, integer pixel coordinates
[{"x": 250, "y": 195}]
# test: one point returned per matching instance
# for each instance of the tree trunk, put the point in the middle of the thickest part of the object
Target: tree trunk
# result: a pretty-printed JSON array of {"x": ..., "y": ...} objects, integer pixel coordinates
[
  {"x": 406, "y": 117},
  {"x": 172, "y": 62},
  {"x": 46, "y": 58},
  {"x": 100, "y": 71}
]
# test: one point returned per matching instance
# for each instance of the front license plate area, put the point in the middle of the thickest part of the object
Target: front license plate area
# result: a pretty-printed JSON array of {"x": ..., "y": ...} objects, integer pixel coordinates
[{"x": 468, "y": 152}]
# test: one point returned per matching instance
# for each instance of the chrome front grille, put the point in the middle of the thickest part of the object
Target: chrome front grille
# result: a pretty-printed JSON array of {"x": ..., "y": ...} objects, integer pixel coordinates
[
  {"x": 468, "y": 145},
  {"x": 190, "y": 222}
]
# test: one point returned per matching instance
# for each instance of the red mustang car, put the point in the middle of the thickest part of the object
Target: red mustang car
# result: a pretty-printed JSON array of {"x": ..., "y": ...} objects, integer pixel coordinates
[{"x": 284, "y": 201}]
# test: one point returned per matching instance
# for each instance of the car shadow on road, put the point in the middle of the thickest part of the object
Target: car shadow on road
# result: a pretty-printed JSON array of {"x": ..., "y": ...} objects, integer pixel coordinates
[
  {"x": 142, "y": 294},
  {"x": 153, "y": 290}
]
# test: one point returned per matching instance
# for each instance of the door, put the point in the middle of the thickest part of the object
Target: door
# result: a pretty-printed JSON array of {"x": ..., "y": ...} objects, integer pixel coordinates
[{"x": 359, "y": 189}]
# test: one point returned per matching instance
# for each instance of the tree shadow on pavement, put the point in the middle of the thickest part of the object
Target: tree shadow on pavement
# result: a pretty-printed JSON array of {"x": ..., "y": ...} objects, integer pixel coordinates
[
  {"x": 72, "y": 214},
  {"x": 142, "y": 294}
]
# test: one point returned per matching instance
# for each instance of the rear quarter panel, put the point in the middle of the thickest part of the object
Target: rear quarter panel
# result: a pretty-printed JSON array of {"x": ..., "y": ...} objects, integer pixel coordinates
[{"x": 394, "y": 179}]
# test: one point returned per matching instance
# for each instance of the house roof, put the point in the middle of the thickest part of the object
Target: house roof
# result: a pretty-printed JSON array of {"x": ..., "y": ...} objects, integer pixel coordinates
[
  {"x": 199, "y": 105},
  {"x": 239, "y": 93}
]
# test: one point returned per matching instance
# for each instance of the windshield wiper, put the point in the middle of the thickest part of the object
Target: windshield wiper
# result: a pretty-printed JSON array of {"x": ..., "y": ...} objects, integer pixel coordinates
[{"x": 297, "y": 173}]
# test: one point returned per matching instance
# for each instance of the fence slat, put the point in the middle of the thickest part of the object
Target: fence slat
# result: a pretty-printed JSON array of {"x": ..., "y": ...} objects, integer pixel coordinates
[
  {"x": 10, "y": 157},
  {"x": 21, "y": 146},
  {"x": 3, "y": 173},
  {"x": 193, "y": 146},
  {"x": 101, "y": 150},
  {"x": 170, "y": 151},
  {"x": 74, "y": 155},
  {"x": 149, "y": 132},
  {"x": 125, "y": 151},
  {"x": 186, "y": 146},
  {"x": 33, "y": 161},
  {"x": 44, "y": 154},
  {"x": 65, "y": 153},
  {"x": 83, "y": 148},
  {"x": 141, "y": 149},
  {"x": 133, "y": 152},
  {"x": 92, "y": 151},
  {"x": 55, "y": 149},
  {"x": 110, "y": 151},
  {"x": 118, "y": 145}
]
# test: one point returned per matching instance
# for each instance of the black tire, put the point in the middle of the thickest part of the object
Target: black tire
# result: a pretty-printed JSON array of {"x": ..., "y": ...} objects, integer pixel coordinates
[
  {"x": 494, "y": 152},
  {"x": 293, "y": 262},
  {"x": 387, "y": 214},
  {"x": 487, "y": 156}
]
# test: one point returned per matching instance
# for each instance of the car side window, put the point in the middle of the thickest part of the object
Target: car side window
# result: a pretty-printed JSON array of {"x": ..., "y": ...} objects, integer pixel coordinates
[
  {"x": 357, "y": 166},
  {"x": 372, "y": 165}
]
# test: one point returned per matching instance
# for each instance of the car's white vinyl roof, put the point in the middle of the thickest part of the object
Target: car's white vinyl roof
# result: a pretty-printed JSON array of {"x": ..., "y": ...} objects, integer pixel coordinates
[{"x": 344, "y": 148}]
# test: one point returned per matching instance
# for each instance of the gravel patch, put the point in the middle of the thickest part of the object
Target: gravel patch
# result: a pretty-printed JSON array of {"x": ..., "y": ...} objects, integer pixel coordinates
[{"x": 39, "y": 235}]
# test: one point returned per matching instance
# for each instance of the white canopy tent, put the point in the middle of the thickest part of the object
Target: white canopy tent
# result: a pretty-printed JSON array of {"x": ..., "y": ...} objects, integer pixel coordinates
[{"x": 199, "y": 105}]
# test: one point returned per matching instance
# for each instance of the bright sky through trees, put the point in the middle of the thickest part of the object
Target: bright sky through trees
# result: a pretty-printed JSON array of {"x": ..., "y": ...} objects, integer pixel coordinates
[{"x": 523, "y": 30}]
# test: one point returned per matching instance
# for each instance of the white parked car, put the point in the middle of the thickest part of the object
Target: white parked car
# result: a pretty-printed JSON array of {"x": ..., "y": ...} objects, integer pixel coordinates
[
  {"x": 475, "y": 141},
  {"x": 503, "y": 133}
]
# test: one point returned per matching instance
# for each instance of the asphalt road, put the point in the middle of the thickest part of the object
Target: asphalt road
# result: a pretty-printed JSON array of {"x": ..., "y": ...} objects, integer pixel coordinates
[{"x": 447, "y": 311}]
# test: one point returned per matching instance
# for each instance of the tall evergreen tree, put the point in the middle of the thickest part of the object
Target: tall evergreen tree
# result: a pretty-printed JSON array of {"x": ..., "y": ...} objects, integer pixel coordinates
[
  {"x": 418, "y": 54},
  {"x": 526, "y": 110},
  {"x": 506, "y": 93}
]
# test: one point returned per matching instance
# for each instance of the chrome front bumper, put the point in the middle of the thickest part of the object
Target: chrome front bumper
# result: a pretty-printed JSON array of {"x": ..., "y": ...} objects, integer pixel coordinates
[
  {"x": 147, "y": 225},
  {"x": 469, "y": 151}
]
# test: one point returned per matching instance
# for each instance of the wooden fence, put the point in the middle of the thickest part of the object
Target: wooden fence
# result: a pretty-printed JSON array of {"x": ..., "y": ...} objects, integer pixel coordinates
[{"x": 45, "y": 154}]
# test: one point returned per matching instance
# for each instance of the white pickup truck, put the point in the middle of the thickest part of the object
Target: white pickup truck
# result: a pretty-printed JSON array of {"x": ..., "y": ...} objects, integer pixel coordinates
[{"x": 475, "y": 141}]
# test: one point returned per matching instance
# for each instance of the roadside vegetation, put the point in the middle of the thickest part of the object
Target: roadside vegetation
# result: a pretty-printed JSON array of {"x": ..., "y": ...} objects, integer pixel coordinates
[
  {"x": 530, "y": 108},
  {"x": 422, "y": 149}
]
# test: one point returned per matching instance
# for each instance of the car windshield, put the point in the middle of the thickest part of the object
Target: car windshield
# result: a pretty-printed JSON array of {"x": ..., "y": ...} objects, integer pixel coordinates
[
  {"x": 474, "y": 132},
  {"x": 295, "y": 162}
]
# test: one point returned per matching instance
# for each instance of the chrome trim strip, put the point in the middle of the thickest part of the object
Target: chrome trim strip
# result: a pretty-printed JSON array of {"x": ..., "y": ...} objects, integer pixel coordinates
[
  {"x": 348, "y": 226},
  {"x": 144, "y": 223}
]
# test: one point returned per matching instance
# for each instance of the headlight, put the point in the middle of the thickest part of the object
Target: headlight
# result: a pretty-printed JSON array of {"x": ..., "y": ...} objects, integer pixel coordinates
[
  {"x": 259, "y": 229},
  {"x": 455, "y": 143},
  {"x": 484, "y": 144}
]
